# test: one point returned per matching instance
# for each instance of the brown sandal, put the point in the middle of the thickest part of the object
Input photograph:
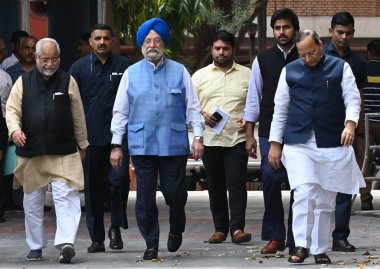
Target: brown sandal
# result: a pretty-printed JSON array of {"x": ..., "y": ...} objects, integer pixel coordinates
[{"x": 301, "y": 254}]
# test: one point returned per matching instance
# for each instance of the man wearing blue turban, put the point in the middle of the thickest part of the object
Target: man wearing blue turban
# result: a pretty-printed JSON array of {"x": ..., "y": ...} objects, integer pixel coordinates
[
  {"x": 155, "y": 24},
  {"x": 156, "y": 101}
]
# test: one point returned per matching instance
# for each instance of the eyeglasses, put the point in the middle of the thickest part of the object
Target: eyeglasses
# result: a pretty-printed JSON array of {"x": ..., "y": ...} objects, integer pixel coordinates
[
  {"x": 156, "y": 41},
  {"x": 45, "y": 60},
  {"x": 348, "y": 33},
  {"x": 310, "y": 54}
]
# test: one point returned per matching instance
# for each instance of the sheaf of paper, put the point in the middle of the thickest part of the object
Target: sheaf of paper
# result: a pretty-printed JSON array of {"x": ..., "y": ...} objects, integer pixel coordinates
[{"x": 220, "y": 125}]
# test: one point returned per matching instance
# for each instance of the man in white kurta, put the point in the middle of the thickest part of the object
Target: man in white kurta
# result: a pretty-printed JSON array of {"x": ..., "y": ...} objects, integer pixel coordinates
[
  {"x": 49, "y": 152},
  {"x": 317, "y": 107}
]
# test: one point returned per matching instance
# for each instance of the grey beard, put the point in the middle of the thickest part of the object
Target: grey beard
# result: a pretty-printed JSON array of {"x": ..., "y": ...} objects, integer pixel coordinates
[
  {"x": 47, "y": 72},
  {"x": 152, "y": 57}
]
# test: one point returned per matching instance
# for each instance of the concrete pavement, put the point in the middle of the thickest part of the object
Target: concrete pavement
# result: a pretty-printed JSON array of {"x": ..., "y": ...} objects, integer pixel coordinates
[{"x": 195, "y": 251}]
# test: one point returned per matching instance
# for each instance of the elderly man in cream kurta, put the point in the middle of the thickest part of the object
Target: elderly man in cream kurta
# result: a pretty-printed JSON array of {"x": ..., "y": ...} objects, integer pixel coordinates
[{"x": 46, "y": 121}]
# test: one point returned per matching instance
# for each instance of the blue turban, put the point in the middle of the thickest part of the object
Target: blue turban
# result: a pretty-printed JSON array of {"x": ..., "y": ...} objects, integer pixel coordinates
[{"x": 156, "y": 24}]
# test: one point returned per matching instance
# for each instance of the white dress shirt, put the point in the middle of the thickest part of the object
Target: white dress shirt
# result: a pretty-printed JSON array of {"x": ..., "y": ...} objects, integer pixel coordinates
[{"x": 255, "y": 88}]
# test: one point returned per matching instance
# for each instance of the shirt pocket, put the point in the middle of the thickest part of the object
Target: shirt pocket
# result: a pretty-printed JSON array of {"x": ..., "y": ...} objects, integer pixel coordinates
[
  {"x": 136, "y": 135},
  {"x": 173, "y": 96},
  {"x": 238, "y": 88},
  {"x": 61, "y": 103},
  {"x": 178, "y": 135}
]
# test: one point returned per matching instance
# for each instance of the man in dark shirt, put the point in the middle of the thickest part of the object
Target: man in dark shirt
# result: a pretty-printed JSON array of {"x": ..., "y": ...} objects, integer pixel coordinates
[
  {"x": 265, "y": 74},
  {"x": 98, "y": 75},
  {"x": 27, "y": 59},
  {"x": 342, "y": 32},
  {"x": 371, "y": 93}
]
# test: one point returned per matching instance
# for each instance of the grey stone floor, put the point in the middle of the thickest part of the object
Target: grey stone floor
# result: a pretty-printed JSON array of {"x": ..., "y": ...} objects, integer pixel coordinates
[{"x": 195, "y": 252}]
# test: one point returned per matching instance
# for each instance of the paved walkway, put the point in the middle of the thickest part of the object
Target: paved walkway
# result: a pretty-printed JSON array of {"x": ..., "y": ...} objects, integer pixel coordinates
[{"x": 195, "y": 252}]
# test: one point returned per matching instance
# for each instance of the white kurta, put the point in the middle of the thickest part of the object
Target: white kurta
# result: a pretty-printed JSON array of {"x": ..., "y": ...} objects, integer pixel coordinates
[{"x": 334, "y": 169}]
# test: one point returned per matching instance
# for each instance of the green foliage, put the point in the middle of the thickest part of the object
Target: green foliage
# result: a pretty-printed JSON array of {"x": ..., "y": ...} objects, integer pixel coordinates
[
  {"x": 181, "y": 15},
  {"x": 234, "y": 21}
]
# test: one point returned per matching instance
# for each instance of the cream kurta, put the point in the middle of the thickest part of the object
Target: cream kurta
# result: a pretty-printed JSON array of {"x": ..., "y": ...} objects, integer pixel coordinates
[{"x": 34, "y": 173}]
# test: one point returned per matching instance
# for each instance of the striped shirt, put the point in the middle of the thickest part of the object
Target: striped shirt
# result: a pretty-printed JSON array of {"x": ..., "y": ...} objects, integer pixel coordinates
[{"x": 372, "y": 89}]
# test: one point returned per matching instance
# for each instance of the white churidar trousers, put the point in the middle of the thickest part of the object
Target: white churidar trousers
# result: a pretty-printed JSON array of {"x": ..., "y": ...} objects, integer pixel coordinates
[
  {"x": 67, "y": 210},
  {"x": 313, "y": 210}
]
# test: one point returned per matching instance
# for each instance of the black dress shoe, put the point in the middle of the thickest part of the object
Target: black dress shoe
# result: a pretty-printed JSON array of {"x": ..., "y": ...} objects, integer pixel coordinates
[
  {"x": 96, "y": 247},
  {"x": 150, "y": 254},
  {"x": 343, "y": 245},
  {"x": 367, "y": 203},
  {"x": 115, "y": 238},
  {"x": 174, "y": 242}
]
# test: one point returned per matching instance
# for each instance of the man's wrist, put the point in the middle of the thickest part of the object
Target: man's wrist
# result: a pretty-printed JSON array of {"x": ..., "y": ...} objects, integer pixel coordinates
[
  {"x": 198, "y": 138},
  {"x": 115, "y": 146}
]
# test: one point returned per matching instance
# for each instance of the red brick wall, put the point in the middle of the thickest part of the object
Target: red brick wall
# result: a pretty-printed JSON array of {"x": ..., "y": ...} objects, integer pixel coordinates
[{"x": 358, "y": 8}]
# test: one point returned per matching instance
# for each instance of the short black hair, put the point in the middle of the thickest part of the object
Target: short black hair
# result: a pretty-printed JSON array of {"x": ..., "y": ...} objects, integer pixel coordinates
[
  {"x": 374, "y": 47},
  {"x": 342, "y": 18},
  {"x": 285, "y": 14},
  {"x": 224, "y": 36},
  {"x": 85, "y": 37},
  {"x": 17, "y": 35},
  {"x": 100, "y": 26}
]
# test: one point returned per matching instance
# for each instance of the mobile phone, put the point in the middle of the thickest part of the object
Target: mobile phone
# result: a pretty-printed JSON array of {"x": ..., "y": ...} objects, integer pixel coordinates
[{"x": 217, "y": 116}]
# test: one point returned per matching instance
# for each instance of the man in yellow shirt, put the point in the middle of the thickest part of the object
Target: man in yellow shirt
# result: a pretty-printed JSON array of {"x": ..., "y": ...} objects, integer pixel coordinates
[{"x": 223, "y": 86}]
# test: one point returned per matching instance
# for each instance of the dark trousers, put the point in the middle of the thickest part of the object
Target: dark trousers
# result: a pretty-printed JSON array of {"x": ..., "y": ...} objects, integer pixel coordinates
[
  {"x": 97, "y": 170},
  {"x": 343, "y": 201},
  {"x": 172, "y": 172},
  {"x": 5, "y": 189},
  {"x": 226, "y": 169},
  {"x": 342, "y": 216},
  {"x": 273, "y": 227}
]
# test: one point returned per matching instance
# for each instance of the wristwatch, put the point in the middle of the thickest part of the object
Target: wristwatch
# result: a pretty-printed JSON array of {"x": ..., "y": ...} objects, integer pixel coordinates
[
  {"x": 115, "y": 146},
  {"x": 199, "y": 138}
]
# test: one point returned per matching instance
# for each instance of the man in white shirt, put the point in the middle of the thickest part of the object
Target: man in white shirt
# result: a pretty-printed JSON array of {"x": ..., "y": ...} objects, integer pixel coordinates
[
  {"x": 317, "y": 105},
  {"x": 157, "y": 99}
]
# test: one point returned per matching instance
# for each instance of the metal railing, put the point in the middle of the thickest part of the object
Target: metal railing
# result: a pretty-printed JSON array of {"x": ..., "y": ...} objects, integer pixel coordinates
[{"x": 369, "y": 149}]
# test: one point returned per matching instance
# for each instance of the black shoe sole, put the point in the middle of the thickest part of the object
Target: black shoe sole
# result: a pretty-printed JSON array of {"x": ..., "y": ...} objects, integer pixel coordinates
[
  {"x": 342, "y": 249},
  {"x": 67, "y": 253},
  {"x": 96, "y": 251}
]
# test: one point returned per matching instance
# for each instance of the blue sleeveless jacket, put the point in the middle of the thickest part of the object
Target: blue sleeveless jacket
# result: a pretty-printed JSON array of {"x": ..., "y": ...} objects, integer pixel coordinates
[
  {"x": 157, "y": 117},
  {"x": 316, "y": 102}
]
